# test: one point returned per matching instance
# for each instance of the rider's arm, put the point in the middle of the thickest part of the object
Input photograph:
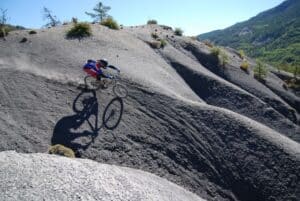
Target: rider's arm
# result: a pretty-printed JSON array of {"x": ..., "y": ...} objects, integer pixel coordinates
[{"x": 113, "y": 67}]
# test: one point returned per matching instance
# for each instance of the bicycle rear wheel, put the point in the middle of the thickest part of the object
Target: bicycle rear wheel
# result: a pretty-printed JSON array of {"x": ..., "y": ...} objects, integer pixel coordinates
[
  {"x": 113, "y": 113},
  {"x": 91, "y": 83},
  {"x": 120, "y": 90}
]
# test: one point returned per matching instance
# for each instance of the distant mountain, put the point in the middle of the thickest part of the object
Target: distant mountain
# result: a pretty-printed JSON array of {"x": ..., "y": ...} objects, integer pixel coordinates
[{"x": 273, "y": 35}]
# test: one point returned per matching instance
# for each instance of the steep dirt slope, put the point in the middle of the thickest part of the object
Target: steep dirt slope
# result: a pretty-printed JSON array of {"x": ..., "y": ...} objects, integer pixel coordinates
[
  {"x": 181, "y": 121},
  {"x": 45, "y": 177}
]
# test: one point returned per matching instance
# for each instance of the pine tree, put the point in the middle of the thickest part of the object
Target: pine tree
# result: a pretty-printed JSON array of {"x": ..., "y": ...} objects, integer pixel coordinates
[
  {"x": 100, "y": 13},
  {"x": 53, "y": 21},
  {"x": 3, "y": 19},
  {"x": 260, "y": 70}
]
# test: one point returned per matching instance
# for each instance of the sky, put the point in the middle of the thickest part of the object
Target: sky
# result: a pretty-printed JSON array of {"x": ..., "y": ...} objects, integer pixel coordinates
[{"x": 192, "y": 16}]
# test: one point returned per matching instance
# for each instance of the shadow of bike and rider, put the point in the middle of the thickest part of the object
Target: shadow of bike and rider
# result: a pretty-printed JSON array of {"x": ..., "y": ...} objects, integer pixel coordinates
[{"x": 78, "y": 131}]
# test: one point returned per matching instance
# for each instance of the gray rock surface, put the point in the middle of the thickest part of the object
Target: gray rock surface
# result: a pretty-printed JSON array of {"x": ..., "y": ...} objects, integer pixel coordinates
[
  {"x": 49, "y": 177},
  {"x": 221, "y": 135}
]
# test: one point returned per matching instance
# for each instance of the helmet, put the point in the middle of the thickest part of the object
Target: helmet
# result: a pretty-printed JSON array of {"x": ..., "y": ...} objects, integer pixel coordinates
[{"x": 104, "y": 62}]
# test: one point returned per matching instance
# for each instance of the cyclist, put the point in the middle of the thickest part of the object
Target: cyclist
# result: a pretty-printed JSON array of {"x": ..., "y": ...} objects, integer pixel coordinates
[{"x": 94, "y": 68}]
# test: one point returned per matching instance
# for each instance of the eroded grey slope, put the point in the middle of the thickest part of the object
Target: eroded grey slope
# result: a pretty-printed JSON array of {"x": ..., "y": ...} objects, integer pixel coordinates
[
  {"x": 45, "y": 177},
  {"x": 168, "y": 126}
]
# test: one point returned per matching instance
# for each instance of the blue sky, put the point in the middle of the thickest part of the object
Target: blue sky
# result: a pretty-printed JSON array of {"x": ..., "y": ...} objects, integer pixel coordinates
[{"x": 193, "y": 16}]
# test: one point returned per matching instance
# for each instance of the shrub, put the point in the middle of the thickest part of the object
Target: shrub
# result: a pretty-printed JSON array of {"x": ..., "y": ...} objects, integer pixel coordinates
[
  {"x": 110, "y": 23},
  {"x": 166, "y": 27},
  {"x": 223, "y": 59},
  {"x": 23, "y": 40},
  {"x": 79, "y": 30},
  {"x": 32, "y": 32},
  {"x": 260, "y": 70},
  {"x": 163, "y": 43},
  {"x": 152, "y": 22},
  {"x": 242, "y": 54},
  {"x": 4, "y": 30},
  {"x": 61, "y": 150},
  {"x": 154, "y": 35},
  {"x": 220, "y": 55},
  {"x": 178, "y": 32},
  {"x": 245, "y": 65},
  {"x": 74, "y": 20},
  {"x": 208, "y": 43},
  {"x": 215, "y": 51},
  {"x": 193, "y": 37},
  {"x": 293, "y": 83}
]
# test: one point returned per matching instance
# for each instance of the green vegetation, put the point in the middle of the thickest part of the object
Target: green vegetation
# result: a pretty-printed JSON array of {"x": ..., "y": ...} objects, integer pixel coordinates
[
  {"x": 4, "y": 30},
  {"x": 3, "y": 19},
  {"x": 178, "y": 32},
  {"x": 221, "y": 56},
  {"x": 154, "y": 35},
  {"x": 74, "y": 20},
  {"x": 61, "y": 150},
  {"x": 163, "y": 43},
  {"x": 152, "y": 22},
  {"x": 208, "y": 43},
  {"x": 110, "y": 23},
  {"x": 52, "y": 19},
  {"x": 260, "y": 70},
  {"x": 79, "y": 30},
  {"x": 32, "y": 32},
  {"x": 223, "y": 59},
  {"x": 272, "y": 36},
  {"x": 215, "y": 51},
  {"x": 293, "y": 83},
  {"x": 165, "y": 27},
  {"x": 158, "y": 43},
  {"x": 244, "y": 65},
  {"x": 100, "y": 12},
  {"x": 242, "y": 54}
]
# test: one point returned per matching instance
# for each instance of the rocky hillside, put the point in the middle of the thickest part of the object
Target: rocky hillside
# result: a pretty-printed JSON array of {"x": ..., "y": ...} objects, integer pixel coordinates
[
  {"x": 214, "y": 130},
  {"x": 273, "y": 35}
]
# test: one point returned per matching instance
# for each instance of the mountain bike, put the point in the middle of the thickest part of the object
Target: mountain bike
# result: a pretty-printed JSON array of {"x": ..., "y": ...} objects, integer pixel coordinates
[{"x": 118, "y": 89}]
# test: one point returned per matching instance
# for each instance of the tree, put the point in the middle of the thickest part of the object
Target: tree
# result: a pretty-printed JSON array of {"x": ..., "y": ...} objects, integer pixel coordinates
[
  {"x": 53, "y": 21},
  {"x": 3, "y": 20},
  {"x": 296, "y": 70},
  {"x": 100, "y": 12},
  {"x": 260, "y": 70}
]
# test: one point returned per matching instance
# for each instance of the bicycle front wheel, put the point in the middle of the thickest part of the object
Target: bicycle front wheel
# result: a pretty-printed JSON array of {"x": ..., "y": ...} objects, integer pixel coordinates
[
  {"x": 113, "y": 113},
  {"x": 120, "y": 90}
]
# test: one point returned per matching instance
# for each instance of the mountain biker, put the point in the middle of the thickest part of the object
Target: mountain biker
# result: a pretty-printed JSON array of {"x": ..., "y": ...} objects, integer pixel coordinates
[{"x": 94, "y": 68}]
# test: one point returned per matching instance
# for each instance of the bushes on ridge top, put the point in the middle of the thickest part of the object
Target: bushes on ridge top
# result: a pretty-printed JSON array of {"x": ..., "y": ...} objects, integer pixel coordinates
[
  {"x": 178, "y": 32},
  {"x": 110, "y": 23},
  {"x": 152, "y": 22},
  {"x": 79, "y": 30}
]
